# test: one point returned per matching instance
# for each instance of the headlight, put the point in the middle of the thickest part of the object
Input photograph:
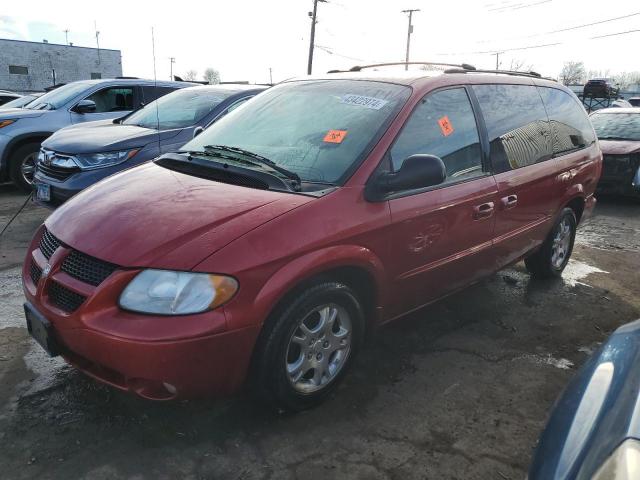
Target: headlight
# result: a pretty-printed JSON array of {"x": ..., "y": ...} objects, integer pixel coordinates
[
  {"x": 98, "y": 160},
  {"x": 4, "y": 123},
  {"x": 167, "y": 292},
  {"x": 624, "y": 464}
]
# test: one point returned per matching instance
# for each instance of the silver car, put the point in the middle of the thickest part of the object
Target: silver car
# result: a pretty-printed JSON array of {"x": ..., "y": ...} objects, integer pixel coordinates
[{"x": 23, "y": 130}]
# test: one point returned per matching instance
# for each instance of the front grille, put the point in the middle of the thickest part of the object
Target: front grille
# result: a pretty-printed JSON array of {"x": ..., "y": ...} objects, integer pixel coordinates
[
  {"x": 48, "y": 244},
  {"x": 57, "y": 173},
  {"x": 35, "y": 273},
  {"x": 617, "y": 165},
  {"x": 87, "y": 269},
  {"x": 64, "y": 298}
]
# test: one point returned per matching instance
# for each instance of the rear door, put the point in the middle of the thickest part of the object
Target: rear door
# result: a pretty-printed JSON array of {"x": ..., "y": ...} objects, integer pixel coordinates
[
  {"x": 440, "y": 237},
  {"x": 522, "y": 161},
  {"x": 572, "y": 135}
]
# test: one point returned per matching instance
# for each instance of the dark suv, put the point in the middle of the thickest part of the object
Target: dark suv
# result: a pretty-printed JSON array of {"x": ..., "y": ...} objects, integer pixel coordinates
[
  {"x": 76, "y": 157},
  {"x": 600, "y": 88}
]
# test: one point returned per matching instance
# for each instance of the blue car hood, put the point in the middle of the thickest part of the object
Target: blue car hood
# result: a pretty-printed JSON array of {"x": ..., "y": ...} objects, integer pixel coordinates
[
  {"x": 103, "y": 136},
  {"x": 599, "y": 409}
]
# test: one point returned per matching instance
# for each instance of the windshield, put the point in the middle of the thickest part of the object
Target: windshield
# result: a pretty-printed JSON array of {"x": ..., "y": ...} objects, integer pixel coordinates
[
  {"x": 179, "y": 109},
  {"x": 320, "y": 130},
  {"x": 619, "y": 126},
  {"x": 58, "y": 97}
]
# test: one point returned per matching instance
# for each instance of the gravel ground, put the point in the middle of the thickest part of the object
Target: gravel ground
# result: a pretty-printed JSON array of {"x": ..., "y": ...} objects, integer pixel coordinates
[{"x": 458, "y": 390}]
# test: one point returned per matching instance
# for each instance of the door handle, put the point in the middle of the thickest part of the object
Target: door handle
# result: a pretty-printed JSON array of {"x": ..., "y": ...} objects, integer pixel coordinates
[
  {"x": 483, "y": 211},
  {"x": 509, "y": 201}
]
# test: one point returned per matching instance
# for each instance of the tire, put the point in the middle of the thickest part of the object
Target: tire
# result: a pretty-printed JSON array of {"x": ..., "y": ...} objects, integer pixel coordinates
[
  {"x": 294, "y": 367},
  {"x": 552, "y": 257},
  {"x": 25, "y": 154}
]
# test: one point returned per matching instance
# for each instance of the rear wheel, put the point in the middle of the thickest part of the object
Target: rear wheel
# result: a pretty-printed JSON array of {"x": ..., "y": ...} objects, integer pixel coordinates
[
  {"x": 552, "y": 257},
  {"x": 308, "y": 347},
  {"x": 22, "y": 165}
]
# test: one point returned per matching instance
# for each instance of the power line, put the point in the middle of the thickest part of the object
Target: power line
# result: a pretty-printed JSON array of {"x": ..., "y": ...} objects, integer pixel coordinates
[
  {"x": 614, "y": 34},
  {"x": 517, "y": 6}
]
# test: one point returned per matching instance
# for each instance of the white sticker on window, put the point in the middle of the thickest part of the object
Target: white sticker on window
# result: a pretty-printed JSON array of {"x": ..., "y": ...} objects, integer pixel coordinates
[{"x": 362, "y": 101}]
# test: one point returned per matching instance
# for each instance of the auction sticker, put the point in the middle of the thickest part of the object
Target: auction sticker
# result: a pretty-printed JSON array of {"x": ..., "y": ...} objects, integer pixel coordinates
[
  {"x": 362, "y": 101},
  {"x": 445, "y": 126},
  {"x": 335, "y": 136}
]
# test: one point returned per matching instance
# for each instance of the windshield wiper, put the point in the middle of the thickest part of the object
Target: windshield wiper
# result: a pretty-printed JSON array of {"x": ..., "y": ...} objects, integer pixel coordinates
[{"x": 259, "y": 158}]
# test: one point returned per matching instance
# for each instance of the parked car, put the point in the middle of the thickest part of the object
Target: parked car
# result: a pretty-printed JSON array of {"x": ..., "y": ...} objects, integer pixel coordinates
[
  {"x": 593, "y": 431},
  {"x": 20, "y": 102},
  {"x": 22, "y": 131},
  {"x": 620, "y": 103},
  {"x": 600, "y": 88},
  {"x": 76, "y": 157},
  {"x": 618, "y": 130},
  {"x": 7, "y": 96},
  {"x": 270, "y": 244},
  {"x": 634, "y": 101}
]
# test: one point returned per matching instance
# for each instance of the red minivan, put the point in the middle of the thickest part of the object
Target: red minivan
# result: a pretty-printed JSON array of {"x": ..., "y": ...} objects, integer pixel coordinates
[{"x": 268, "y": 247}]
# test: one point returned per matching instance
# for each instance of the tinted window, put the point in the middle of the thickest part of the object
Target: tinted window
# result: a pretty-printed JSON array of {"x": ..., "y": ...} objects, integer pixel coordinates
[
  {"x": 178, "y": 109},
  {"x": 320, "y": 129},
  {"x": 443, "y": 125},
  {"x": 517, "y": 125},
  {"x": 569, "y": 123},
  {"x": 617, "y": 126},
  {"x": 149, "y": 94},
  {"x": 114, "y": 99}
]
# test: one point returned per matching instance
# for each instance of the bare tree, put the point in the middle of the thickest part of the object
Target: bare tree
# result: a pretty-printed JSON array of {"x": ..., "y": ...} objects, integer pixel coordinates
[
  {"x": 191, "y": 75},
  {"x": 519, "y": 65},
  {"x": 572, "y": 73},
  {"x": 211, "y": 75}
]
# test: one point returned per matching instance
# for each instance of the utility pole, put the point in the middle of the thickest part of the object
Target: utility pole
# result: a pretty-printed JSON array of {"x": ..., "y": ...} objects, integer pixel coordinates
[
  {"x": 497, "y": 54},
  {"x": 313, "y": 34},
  {"x": 95, "y": 27},
  {"x": 66, "y": 36},
  {"x": 172, "y": 60},
  {"x": 409, "y": 32},
  {"x": 270, "y": 76}
]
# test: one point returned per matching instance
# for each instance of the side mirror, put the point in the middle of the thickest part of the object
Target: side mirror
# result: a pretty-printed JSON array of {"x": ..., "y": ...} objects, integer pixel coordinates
[
  {"x": 85, "y": 106},
  {"x": 197, "y": 131},
  {"x": 417, "y": 171}
]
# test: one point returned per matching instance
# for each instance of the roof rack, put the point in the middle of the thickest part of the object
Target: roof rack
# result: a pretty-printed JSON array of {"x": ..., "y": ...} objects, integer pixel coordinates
[
  {"x": 504, "y": 72},
  {"x": 358, "y": 68}
]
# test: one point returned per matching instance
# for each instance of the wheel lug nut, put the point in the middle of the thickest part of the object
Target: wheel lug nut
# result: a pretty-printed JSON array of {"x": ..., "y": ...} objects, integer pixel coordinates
[
  {"x": 325, "y": 344},
  {"x": 319, "y": 356}
]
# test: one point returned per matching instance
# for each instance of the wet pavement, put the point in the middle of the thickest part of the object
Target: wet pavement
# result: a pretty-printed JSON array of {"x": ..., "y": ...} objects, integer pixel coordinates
[{"x": 458, "y": 390}]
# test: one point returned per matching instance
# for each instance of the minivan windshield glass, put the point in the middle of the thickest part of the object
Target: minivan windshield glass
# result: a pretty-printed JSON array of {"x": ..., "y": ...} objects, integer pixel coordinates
[
  {"x": 617, "y": 126},
  {"x": 58, "y": 97},
  {"x": 319, "y": 129},
  {"x": 178, "y": 109}
]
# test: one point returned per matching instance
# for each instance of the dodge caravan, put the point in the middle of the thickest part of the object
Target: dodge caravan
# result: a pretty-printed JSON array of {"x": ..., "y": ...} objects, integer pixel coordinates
[{"x": 268, "y": 247}]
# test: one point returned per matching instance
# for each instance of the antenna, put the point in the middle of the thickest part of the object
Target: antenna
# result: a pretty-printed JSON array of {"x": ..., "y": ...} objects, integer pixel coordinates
[
  {"x": 155, "y": 84},
  {"x": 95, "y": 27}
]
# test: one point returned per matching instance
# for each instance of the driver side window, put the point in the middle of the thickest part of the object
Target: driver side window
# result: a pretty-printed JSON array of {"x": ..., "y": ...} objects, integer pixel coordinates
[
  {"x": 443, "y": 125},
  {"x": 113, "y": 99}
]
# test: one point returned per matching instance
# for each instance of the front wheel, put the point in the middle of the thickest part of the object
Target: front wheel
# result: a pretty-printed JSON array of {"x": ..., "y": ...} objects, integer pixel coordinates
[
  {"x": 22, "y": 165},
  {"x": 308, "y": 347},
  {"x": 552, "y": 257}
]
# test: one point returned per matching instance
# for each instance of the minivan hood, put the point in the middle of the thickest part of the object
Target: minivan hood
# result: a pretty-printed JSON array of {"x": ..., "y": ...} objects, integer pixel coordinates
[
  {"x": 619, "y": 147},
  {"x": 102, "y": 137},
  {"x": 150, "y": 216}
]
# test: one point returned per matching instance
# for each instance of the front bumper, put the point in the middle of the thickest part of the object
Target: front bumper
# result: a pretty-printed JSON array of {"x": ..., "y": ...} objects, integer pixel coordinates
[
  {"x": 155, "y": 357},
  {"x": 620, "y": 176}
]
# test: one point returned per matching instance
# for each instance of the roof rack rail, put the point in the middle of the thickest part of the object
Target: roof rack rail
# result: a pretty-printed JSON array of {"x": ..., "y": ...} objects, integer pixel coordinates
[
  {"x": 358, "y": 68},
  {"x": 504, "y": 72}
]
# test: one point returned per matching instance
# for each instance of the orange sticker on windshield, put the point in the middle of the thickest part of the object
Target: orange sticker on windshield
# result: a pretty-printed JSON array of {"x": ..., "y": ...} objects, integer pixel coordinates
[
  {"x": 335, "y": 136},
  {"x": 445, "y": 126}
]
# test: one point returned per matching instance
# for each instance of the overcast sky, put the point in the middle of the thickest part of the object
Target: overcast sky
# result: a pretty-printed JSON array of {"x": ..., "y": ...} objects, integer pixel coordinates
[{"x": 243, "y": 38}]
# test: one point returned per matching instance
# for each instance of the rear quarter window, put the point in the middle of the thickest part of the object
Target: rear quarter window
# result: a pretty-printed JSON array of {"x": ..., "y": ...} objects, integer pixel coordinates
[
  {"x": 570, "y": 126},
  {"x": 517, "y": 124}
]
